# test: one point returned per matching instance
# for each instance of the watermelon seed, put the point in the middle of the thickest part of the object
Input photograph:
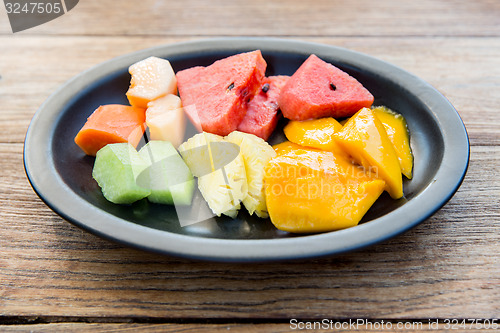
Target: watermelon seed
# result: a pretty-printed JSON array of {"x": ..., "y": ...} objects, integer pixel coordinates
[
  {"x": 332, "y": 87},
  {"x": 231, "y": 86},
  {"x": 265, "y": 87}
]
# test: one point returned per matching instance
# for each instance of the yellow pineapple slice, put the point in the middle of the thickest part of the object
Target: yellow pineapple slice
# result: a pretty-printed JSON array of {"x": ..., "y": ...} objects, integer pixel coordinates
[
  {"x": 220, "y": 169},
  {"x": 256, "y": 153}
]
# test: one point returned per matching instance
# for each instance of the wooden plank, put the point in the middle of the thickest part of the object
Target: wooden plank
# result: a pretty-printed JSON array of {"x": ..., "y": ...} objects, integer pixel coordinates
[
  {"x": 370, "y": 326},
  {"x": 55, "y": 277},
  {"x": 276, "y": 18},
  {"x": 445, "y": 268},
  {"x": 26, "y": 84},
  {"x": 468, "y": 78}
]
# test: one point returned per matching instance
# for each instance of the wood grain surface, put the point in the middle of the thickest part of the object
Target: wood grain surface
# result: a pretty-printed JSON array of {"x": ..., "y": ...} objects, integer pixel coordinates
[
  {"x": 277, "y": 18},
  {"x": 411, "y": 326},
  {"x": 55, "y": 277}
]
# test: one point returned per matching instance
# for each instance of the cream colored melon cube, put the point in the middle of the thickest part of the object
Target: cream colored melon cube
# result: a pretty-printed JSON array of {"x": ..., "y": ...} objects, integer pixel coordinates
[
  {"x": 152, "y": 78},
  {"x": 166, "y": 120}
]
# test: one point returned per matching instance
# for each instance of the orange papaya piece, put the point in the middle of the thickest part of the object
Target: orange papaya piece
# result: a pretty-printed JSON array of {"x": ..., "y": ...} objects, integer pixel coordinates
[{"x": 111, "y": 123}]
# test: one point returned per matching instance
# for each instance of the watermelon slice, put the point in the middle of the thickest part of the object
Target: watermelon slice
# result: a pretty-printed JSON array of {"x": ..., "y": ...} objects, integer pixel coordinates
[
  {"x": 319, "y": 89},
  {"x": 262, "y": 112},
  {"x": 220, "y": 92}
]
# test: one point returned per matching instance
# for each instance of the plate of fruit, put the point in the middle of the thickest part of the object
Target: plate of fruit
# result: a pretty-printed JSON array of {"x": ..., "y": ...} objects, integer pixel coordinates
[{"x": 246, "y": 149}]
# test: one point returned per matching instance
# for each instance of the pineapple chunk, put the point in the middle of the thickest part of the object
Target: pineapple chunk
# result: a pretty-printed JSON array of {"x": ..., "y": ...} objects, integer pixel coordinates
[
  {"x": 166, "y": 120},
  {"x": 152, "y": 78},
  {"x": 196, "y": 154},
  {"x": 220, "y": 169},
  {"x": 256, "y": 153}
]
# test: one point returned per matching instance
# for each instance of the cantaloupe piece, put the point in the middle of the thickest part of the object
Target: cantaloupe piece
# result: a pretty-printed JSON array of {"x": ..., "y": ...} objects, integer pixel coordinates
[
  {"x": 151, "y": 79},
  {"x": 166, "y": 119},
  {"x": 116, "y": 169},
  {"x": 111, "y": 123}
]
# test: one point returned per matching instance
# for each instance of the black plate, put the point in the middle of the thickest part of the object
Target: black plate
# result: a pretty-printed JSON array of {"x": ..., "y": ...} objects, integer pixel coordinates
[{"x": 61, "y": 174}]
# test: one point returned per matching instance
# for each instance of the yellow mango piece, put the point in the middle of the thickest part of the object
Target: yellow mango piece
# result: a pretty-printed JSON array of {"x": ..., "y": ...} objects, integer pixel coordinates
[
  {"x": 364, "y": 138},
  {"x": 310, "y": 190},
  {"x": 397, "y": 131},
  {"x": 285, "y": 147},
  {"x": 315, "y": 133}
]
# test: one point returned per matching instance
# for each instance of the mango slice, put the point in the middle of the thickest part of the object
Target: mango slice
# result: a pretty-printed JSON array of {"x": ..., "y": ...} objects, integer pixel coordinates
[
  {"x": 397, "y": 131},
  {"x": 316, "y": 133},
  {"x": 310, "y": 190},
  {"x": 285, "y": 147},
  {"x": 364, "y": 138}
]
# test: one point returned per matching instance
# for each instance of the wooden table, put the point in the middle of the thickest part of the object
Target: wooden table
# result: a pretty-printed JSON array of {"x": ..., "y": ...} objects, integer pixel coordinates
[{"x": 56, "y": 277}]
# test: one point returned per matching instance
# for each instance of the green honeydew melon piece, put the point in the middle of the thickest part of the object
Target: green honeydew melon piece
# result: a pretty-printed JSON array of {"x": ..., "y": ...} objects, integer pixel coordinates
[
  {"x": 167, "y": 175},
  {"x": 116, "y": 169}
]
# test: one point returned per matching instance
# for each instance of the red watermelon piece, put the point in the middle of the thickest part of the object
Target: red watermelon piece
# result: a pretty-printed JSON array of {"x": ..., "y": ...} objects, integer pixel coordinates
[
  {"x": 262, "y": 112},
  {"x": 319, "y": 89},
  {"x": 216, "y": 96}
]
